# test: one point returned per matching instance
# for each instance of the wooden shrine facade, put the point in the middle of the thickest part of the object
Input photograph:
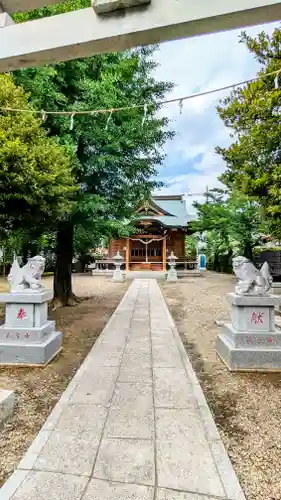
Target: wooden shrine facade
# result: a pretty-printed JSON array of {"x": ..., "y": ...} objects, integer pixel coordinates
[{"x": 162, "y": 224}]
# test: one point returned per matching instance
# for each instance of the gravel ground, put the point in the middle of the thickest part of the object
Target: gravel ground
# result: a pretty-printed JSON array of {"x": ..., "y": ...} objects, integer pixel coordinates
[
  {"x": 246, "y": 406},
  {"x": 38, "y": 389}
]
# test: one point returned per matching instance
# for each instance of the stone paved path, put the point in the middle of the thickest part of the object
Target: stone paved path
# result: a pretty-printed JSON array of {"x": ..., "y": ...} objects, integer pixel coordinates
[{"x": 132, "y": 424}]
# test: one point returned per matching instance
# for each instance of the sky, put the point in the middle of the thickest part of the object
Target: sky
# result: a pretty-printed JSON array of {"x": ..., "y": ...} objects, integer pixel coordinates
[{"x": 195, "y": 65}]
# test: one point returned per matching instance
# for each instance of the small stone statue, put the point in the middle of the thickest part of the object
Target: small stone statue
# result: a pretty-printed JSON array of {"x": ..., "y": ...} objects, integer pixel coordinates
[
  {"x": 28, "y": 276},
  {"x": 251, "y": 280}
]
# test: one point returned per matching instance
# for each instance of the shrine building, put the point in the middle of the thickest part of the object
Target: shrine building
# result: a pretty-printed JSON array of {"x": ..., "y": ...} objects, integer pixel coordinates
[{"x": 162, "y": 224}]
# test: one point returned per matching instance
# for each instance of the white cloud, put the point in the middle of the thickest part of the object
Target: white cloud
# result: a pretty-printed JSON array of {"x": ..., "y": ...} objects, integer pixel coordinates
[{"x": 196, "y": 65}]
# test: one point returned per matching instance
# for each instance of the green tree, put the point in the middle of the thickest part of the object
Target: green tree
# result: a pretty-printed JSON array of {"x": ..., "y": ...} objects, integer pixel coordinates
[
  {"x": 231, "y": 222},
  {"x": 36, "y": 181},
  {"x": 191, "y": 246},
  {"x": 252, "y": 113},
  {"x": 116, "y": 158}
]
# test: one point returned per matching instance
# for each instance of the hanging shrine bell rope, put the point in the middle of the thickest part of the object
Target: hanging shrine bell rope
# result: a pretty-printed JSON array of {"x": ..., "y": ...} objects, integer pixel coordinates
[
  {"x": 44, "y": 113},
  {"x": 149, "y": 241}
]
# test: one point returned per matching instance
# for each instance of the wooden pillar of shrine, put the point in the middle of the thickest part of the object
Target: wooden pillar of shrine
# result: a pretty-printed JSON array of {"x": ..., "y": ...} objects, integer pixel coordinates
[
  {"x": 164, "y": 251},
  {"x": 127, "y": 254}
]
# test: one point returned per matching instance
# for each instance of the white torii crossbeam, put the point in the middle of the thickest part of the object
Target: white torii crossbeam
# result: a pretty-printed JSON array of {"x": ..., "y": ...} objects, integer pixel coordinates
[{"x": 86, "y": 32}]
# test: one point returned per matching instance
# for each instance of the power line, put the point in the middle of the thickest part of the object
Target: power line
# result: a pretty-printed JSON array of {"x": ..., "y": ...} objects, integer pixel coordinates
[{"x": 179, "y": 100}]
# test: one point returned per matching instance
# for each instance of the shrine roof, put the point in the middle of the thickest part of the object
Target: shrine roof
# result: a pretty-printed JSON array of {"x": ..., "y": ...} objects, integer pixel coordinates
[
  {"x": 171, "y": 210},
  {"x": 176, "y": 206}
]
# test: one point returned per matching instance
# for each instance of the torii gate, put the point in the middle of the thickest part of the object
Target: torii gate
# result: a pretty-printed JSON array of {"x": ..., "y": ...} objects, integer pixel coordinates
[{"x": 115, "y": 25}]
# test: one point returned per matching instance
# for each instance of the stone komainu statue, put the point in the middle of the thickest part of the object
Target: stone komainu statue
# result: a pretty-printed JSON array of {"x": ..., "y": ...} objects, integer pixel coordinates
[
  {"x": 251, "y": 280},
  {"x": 28, "y": 276}
]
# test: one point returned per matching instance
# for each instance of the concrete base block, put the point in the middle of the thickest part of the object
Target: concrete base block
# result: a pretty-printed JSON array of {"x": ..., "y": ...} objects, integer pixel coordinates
[
  {"x": 248, "y": 359},
  {"x": 25, "y": 353},
  {"x": 33, "y": 334},
  {"x": 269, "y": 339},
  {"x": 7, "y": 404},
  {"x": 118, "y": 276},
  {"x": 27, "y": 297}
]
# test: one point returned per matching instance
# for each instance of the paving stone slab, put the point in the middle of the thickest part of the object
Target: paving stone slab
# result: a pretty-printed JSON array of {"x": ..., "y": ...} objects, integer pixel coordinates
[
  {"x": 135, "y": 347},
  {"x": 172, "y": 388},
  {"x": 133, "y": 359},
  {"x": 186, "y": 466},
  {"x": 68, "y": 453},
  {"x": 78, "y": 419},
  {"x": 40, "y": 485},
  {"x": 104, "y": 490},
  {"x": 135, "y": 374},
  {"x": 126, "y": 460},
  {"x": 108, "y": 355},
  {"x": 163, "y": 356},
  {"x": 185, "y": 461},
  {"x": 163, "y": 494},
  {"x": 88, "y": 392},
  {"x": 96, "y": 386},
  {"x": 179, "y": 424},
  {"x": 131, "y": 413}
]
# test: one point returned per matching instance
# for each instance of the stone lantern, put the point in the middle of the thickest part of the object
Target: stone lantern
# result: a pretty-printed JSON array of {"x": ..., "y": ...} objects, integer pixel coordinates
[
  {"x": 118, "y": 260},
  {"x": 172, "y": 273}
]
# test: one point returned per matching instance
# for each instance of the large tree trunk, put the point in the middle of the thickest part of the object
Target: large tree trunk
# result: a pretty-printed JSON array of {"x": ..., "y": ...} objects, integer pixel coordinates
[
  {"x": 28, "y": 250},
  {"x": 248, "y": 252},
  {"x": 25, "y": 252},
  {"x": 63, "y": 295}
]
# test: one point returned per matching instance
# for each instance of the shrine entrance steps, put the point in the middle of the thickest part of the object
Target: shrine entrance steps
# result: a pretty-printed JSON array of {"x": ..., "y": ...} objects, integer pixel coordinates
[
  {"x": 132, "y": 275},
  {"x": 133, "y": 423}
]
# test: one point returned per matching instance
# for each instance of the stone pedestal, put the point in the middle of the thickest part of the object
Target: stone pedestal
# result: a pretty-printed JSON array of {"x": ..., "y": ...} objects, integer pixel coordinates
[
  {"x": 118, "y": 274},
  {"x": 251, "y": 342},
  {"x": 172, "y": 274},
  {"x": 27, "y": 337}
]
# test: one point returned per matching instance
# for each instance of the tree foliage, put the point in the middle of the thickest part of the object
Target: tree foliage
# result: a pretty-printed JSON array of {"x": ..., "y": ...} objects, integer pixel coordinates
[
  {"x": 116, "y": 156},
  {"x": 231, "y": 224},
  {"x": 36, "y": 181},
  {"x": 252, "y": 114},
  {"x": 116, "y": 161}
]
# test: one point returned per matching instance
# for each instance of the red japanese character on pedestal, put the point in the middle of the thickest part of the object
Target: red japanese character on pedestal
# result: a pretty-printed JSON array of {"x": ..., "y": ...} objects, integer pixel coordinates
[
  {"x": 260, "y": 318},
  {"x": 257, "y": 318},
  {"x": 21, "y": 314}
]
